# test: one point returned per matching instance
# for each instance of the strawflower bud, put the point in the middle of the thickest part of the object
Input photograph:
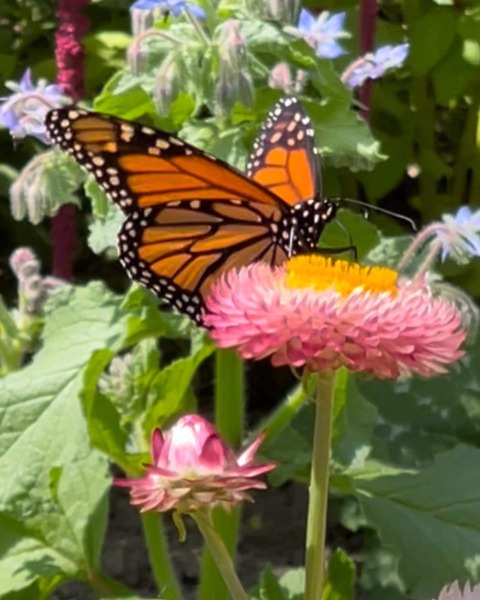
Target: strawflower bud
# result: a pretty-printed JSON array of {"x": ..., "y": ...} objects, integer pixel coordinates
[{"x": 193, "y": 468}]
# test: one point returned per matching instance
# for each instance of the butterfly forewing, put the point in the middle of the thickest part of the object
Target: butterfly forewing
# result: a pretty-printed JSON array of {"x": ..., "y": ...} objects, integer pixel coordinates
[
  {"x": 284, "y": 156},
  {"x": 190, "y": 217},
  {"x": 140, "y": 167}
]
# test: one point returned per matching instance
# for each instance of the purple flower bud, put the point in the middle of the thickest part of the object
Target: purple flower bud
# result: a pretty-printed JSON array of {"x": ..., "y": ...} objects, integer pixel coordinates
[
  {"x": 168, "y": 83},
  {"x": 33, "y": 289}
]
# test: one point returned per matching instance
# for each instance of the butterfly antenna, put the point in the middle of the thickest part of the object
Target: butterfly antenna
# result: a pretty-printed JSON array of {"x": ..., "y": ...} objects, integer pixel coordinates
[{"x": 368, "y": 207}]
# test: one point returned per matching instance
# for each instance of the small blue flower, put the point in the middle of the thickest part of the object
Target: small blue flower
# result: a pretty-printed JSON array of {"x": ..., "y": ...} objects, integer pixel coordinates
[
  {"x": 322, "y": 32},
  {"x": 24, "y": 111},
  {"x": 459, "y": 235},
  {"x": 375, "y": 65},
  {"x": 176, "y": 7}
]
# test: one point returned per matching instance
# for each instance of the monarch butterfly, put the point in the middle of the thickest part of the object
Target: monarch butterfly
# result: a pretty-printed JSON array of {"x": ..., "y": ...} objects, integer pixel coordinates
[{"x": 190, "y": 216}]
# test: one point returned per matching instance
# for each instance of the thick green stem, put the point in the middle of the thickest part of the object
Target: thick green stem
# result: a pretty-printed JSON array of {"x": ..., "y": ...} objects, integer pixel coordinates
[
  {"x": 162, "y": 568},
  {"x": 317, "y": 508},
  {"x": 229, "y": 417},
  {"x": 221, "y": 556}
]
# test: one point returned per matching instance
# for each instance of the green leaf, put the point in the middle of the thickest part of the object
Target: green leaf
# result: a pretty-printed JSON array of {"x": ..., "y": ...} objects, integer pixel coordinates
[
  {"x": 342, "y": 137},
  {"x": 103, "y": 420},
  {"x": 225, "y": 143},
  {"x": 53, "y": 500},
  {"x": 291, "y": 448},
  {"x": 269, "y": 587},
  {"x": 340, "y": 581},
  {"x": 169, "y": 387},
  {"x": 441, "y": 518},
  {"x": 423, "y": 419},
  {"x": 103, "y": 231},
  {"x": 427, "y": 50},
  {"x": 130, "y": 103},
  {"x": 293, "y": 582},
  {"x": 354, "y": 422},
  {"x": 469, "y": 23},
  {"x": 347, "y": 228},
  {"x": 453, "y": 76}
]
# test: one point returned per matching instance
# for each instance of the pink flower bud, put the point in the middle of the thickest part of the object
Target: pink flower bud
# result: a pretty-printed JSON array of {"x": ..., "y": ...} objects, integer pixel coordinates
[{"x": 193, "y": 467}]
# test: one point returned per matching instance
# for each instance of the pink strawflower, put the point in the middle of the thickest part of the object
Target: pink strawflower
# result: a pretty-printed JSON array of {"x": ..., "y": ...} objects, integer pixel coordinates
[
  {"x": 321, "y": 314},
  {"x": 192, "y": 467},
  {"x": 454, "y": 592}
]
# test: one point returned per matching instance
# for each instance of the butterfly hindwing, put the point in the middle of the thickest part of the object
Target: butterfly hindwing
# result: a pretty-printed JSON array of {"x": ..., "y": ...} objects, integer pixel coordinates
[
  {"x": 284, "y": 158},
  {"x": 179, "y": 252}
]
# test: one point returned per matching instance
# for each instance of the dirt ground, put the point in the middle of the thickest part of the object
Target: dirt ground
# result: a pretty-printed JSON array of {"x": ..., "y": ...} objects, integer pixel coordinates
[{"x": 272, "y": 532}]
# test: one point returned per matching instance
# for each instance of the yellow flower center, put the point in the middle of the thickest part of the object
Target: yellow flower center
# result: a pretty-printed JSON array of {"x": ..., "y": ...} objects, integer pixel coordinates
[{"x": 322, "y": 273}]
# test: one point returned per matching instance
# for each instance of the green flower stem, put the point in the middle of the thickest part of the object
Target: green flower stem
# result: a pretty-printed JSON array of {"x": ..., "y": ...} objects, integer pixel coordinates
[
  {"x": 424, "y": 122},
  {"x": 317, "y": 508},
  {"x": 281, "y": 416},
  {"x": 221, "y": 556},
  {"x": 466, "y": 153},
  {"x": 229, "y": 417},
  {"x": 162, "y": 568},
  {"x": 474, "y": 192}
]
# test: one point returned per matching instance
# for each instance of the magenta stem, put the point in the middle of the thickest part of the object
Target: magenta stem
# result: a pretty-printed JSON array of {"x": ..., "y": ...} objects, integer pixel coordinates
[
  {"x": 367, "y": 24},
  {"x": 69, "y": 56}
]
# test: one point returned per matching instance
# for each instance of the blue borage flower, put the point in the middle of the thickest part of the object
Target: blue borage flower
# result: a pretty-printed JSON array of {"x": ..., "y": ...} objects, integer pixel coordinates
[
  {"x": 459, "y": 235},
  {"x": 374, "y": 65},
  {"x": 322, "y": 32},
  {"x": 23, "y": 112},
  {"x": 176, "y": 7},
  {"x": 456, "y": 237}
]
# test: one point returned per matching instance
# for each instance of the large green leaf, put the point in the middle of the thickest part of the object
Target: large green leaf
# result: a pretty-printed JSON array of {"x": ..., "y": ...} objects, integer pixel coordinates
[
  {"x": 428, "y": 518},
  {"x": 431, "y": 36},
  {"x": 419, "y": 417},
  {"x": 53, "y": 502}
]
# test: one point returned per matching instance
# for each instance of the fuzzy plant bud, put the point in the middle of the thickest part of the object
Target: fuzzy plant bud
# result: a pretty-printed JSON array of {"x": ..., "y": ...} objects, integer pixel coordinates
[
  {"x": 234, "y": 83},
  {"x": 285, "y": 11},
  {"x": 168, "y": 83}
]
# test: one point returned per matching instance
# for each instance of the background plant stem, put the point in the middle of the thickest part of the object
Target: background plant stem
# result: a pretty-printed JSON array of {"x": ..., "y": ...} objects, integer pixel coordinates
[
  {"x": 229, "y": 418},
  {"x": 69, "y": 57},
  {"x": 163, "y": 572}
]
